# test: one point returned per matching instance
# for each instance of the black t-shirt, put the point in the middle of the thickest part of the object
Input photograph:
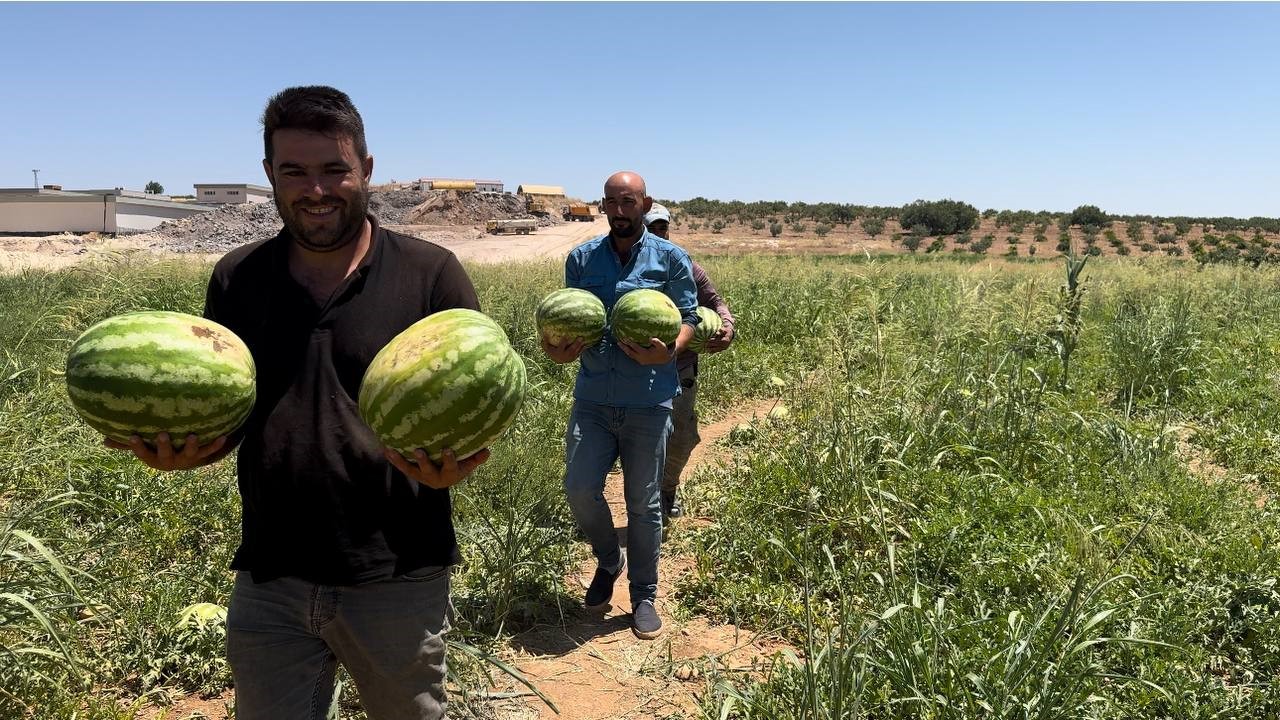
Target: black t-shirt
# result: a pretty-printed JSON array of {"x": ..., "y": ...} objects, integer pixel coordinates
[{"x": 320, "y": 501}]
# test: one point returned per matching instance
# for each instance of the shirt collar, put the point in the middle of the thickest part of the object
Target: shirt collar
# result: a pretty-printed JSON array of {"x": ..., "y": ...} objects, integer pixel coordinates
[{"x": 644, "y": 236}]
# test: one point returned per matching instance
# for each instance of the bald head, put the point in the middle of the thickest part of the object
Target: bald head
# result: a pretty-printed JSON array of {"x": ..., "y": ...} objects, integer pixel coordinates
[
  {"x": 625, "y": 180},
  {"x": 625, "y": 203}
]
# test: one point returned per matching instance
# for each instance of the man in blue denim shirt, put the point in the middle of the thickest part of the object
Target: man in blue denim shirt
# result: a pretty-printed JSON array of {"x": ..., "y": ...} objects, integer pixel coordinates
[{"x": 622, "y": 398}]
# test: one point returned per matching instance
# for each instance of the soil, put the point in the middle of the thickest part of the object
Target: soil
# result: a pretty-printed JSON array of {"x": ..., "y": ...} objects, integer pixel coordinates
[
  {"x": 592, "y": 666},
  {"x": 457, "y": 221},
  {"x": 737, "y": 239}
]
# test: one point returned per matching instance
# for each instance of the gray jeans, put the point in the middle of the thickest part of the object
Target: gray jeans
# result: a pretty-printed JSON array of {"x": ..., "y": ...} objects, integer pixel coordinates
[
  {"x": 684, "y": 430},
  {"x": 285, "y": 638}
]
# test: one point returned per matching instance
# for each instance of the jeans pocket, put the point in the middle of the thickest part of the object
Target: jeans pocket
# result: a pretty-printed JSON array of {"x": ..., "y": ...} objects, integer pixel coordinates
[{"x": 424, "y": 574}]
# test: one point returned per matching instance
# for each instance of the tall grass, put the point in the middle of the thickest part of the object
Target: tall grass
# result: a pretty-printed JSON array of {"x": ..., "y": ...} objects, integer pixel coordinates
[{"x": 944, "y": 527}]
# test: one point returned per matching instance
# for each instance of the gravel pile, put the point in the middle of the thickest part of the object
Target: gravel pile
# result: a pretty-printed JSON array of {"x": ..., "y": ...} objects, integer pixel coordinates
[
  {"x": 228, "y": 227},
  {"x": 448, "y": 207},
  {"x": 231, "y": 226}
]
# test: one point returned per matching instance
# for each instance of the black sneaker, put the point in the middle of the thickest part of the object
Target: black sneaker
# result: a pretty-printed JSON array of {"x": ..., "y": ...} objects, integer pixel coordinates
[
  {"x": 671, "y": 505},
  {"x": 601, "y": 590},
  {"x": 645, "y": 622}
]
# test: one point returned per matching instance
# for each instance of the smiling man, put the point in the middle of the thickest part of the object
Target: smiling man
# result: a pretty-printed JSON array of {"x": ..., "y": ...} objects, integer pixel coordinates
[{"x": 346, "y": 547}]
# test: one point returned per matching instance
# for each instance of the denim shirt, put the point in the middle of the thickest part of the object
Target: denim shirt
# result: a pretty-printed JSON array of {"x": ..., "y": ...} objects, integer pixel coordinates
[{"x": 607, "y": 375}]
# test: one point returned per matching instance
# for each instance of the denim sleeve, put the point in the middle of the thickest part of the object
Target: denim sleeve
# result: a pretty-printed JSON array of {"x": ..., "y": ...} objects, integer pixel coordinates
[{"x": 572, "y": 270}]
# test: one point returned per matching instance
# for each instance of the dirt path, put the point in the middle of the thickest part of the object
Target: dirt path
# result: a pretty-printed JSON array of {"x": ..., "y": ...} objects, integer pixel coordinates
[
  {"x": 1199, "y": 462},
  {"x": 551, "y": 242},
  {"x": 469, "y": 243},
  {"x": 592, "y": 667}
]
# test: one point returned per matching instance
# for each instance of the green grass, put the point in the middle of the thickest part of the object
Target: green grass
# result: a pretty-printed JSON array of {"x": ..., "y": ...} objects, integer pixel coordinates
[{"x": 952, "y": 522}]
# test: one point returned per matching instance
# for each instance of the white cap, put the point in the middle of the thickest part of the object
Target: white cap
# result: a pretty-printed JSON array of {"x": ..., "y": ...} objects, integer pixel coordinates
[{"x": 656, "y": 213}]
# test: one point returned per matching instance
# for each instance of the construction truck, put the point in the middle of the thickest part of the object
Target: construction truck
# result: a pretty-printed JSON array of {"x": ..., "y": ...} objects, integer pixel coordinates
[
  {"x": 536, "y": 205},
  {"x": 578, "y": 211},
  {"x": 522, "y": 226}
]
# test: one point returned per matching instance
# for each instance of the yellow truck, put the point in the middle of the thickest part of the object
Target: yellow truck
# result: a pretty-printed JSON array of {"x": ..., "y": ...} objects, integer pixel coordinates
[
  {"x": 578, "y": 211},
  {"x": 522, "y": 226}
]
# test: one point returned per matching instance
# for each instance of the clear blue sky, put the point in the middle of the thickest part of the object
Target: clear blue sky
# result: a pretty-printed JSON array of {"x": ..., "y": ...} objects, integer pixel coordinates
[{"x": 1138, "y": 108}]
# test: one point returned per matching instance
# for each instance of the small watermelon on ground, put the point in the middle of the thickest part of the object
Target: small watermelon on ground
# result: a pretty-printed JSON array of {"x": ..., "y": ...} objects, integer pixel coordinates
[
  {"x": 742, "y": 433},
  {"x": 144, "y": 373},
  {"x": 450, "y": 380},
  {"x": 709, "y": 323},
  {"x": 570, "y": 313},
  {"x": 644, "y": 314}
]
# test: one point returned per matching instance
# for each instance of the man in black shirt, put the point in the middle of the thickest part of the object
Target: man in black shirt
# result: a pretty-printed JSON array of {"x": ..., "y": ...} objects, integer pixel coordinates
[{"x": 346, "y": 545}]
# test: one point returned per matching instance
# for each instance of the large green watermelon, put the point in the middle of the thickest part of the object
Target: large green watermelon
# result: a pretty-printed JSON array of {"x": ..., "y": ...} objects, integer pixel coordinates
[
  {"x": 570, "y": 313},
  {"x": 450, "y": 380},
  {"x": 149, "y": 372},
  {"x": 709, "y": 323},
  {"x": 641, "y": 315}
]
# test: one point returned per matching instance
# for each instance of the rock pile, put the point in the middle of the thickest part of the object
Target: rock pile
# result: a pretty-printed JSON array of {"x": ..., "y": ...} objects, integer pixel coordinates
[{"x": 230, "y": 226}]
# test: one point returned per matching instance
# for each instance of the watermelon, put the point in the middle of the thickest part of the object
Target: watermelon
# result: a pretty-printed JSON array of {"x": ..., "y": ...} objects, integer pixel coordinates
[
  {"x": 450, "y": 380},
  {"x": 641, "y": 315},
  {"x": 570, "y": 313},
  {"x": 144, "y": 373},
  {"x": 709, "y": 323}
]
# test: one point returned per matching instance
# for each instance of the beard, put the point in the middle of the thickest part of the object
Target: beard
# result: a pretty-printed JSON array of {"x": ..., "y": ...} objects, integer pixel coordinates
[
  {"x": 622, "y": 228},
  {"x": 338, "y": 233}
]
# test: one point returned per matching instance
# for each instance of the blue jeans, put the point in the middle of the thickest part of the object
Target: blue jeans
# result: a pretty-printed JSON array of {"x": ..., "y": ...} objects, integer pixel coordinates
[
  {"x": 285, "y": 638},
  {"x": 598, "y": 435}
]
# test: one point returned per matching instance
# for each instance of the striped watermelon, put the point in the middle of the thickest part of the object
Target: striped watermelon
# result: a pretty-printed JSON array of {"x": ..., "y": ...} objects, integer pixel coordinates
[
  {"x": 570, "y": 313},
  {"x": 149, "y": 372},
  {"x": 641, "y": 315},
  {"x": 709, "y": 323},
  {"x": 450, "y": 380}
]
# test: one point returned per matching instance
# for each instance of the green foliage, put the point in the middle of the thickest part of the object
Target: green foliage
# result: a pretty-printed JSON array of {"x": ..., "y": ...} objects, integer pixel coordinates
[
  {"x": 872, "y": 226},
  {"x": 940, "y": 217},
  {"x": 947, "y": 530},
  {"x": 1133, "y": 229},
  {"x": 982, "y": 504},
  {"x": 821, "y": 229},
  {"x": 1088, "y": 216},
  {"x": 717, "y": 226},
  {"x": 775, "y": 229},
  {"x": 154, "y": 188}
]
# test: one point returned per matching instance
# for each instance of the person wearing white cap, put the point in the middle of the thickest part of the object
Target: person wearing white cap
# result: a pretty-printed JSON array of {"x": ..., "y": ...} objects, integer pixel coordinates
[{"x": 684, "y": 416}]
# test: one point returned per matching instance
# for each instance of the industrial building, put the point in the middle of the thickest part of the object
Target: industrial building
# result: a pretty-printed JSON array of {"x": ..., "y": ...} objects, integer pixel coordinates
[
  {"x": 230, "y": 193},
  {"x": 52, "y": 210},
  {"x": 542, "y": 199},
  {"x": 494, "y": 186}
]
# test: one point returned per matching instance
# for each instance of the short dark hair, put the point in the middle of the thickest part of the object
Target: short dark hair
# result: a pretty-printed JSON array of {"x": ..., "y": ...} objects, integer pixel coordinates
[{"x": 318, "y": 108}]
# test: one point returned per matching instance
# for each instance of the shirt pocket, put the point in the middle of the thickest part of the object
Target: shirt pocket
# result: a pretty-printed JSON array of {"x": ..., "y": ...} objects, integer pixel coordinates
[
  {"x": 651, "y": 279},
  {"x": 594, "y": 283}
]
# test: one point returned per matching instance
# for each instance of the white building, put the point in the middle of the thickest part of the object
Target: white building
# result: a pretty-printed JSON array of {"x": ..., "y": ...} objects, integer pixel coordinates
[
  {"x": 494, "y": 186},
  {"x": 28, "y": 210},
  {"x": 225, "y": 193}
]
